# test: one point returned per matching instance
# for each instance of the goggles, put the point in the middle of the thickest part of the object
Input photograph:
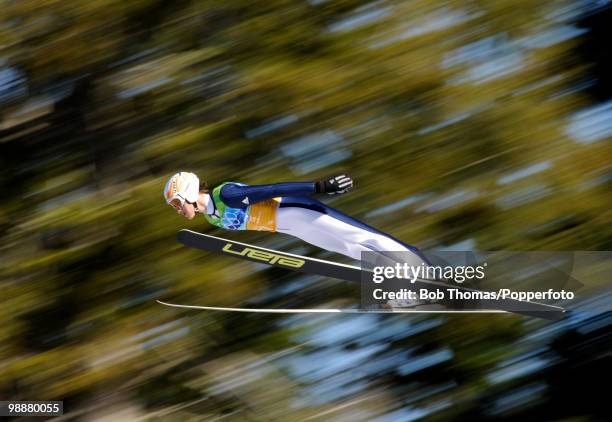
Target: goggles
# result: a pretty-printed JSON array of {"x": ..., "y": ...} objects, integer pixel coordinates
[{"x": 176, "y": 202}]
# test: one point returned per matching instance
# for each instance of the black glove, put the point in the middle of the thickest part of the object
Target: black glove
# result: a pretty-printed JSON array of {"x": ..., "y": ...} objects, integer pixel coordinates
[{"x": 334, "y": 185}]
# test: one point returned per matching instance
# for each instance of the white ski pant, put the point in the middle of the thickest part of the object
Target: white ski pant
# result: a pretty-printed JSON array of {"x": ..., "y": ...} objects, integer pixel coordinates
[{"x": 337, "y": 232}]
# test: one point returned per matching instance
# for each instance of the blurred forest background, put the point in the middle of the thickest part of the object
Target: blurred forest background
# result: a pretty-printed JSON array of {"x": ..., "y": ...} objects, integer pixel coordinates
[{"x": 466, "y": 124}]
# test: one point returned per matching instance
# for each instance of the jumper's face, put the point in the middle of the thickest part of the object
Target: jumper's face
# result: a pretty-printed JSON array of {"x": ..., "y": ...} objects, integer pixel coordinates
[{"x": 185, "y": 209}]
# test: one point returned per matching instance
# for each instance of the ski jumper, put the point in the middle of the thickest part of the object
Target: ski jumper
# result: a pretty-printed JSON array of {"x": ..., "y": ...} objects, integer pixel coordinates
[{"x": 288, "y": 208}]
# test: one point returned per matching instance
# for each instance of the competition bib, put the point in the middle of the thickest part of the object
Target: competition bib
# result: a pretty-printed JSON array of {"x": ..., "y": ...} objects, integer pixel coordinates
[{"x": 262, "y": 215}]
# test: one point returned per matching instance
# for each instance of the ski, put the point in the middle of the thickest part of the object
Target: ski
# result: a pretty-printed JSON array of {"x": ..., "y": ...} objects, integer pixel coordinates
[
  {"x": 346, "y": 272},
  {"x": 331, "y": 310},
  {"x": 261, "y": 255}
]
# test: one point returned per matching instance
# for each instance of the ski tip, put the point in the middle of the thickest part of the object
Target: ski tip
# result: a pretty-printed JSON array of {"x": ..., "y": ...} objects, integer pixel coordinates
[{"x": 182, "y": 235}]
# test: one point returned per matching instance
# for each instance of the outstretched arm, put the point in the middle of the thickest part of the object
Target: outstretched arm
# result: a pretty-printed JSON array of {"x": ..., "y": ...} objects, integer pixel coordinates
[{"x": 239, "y": 196}]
